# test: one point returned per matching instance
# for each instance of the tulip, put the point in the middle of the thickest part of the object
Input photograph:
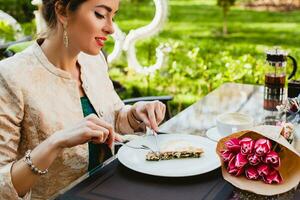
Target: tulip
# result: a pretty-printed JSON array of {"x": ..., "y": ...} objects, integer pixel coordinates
[
  {"x": 233, "y": 145},
  {"x": 240, "y": 160},
  {"x": 273, "y": 159},
  {"x": 262, "y": 147},
  {"x": 254, "y": 159},
  {"x": 232, "y": 169},
  {"x": 273, "y": 177},
  {"x": 263, "y": 169},
  {"x": 227, "y": 155},
  {"x": 247, "y": 145},
  {"x": 251, "y": 173}
]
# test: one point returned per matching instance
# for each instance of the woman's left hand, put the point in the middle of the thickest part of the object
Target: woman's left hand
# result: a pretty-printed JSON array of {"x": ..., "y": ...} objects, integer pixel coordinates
[{"x": 151, "y": 113}]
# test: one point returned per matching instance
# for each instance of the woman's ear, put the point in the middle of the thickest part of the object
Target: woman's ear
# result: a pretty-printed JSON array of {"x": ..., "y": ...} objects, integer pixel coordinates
[{"x": 61, "y": 12}]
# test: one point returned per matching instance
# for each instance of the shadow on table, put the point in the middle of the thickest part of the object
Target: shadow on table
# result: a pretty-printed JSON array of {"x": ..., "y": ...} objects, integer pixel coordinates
[{"x": 115, "y": 181}]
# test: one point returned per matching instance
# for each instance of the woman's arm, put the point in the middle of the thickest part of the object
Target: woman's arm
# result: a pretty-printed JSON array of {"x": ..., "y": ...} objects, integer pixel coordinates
[
  {"x": 90, "y": 128},
  {"x": 42, "y": 157},
  {"x": 16, "y": 177}
]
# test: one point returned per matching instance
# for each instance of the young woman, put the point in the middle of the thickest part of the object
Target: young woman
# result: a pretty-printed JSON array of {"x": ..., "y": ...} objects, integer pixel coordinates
[{"x": 58, "y": 108}]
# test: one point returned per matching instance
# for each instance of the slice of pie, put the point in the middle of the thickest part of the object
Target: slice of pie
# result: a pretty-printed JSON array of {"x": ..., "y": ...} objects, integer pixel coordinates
[{"x": 175, "y": 150}]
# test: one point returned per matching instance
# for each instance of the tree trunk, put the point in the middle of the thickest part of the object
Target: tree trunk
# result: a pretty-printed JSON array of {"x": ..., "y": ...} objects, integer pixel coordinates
[{"x": 225, "y": 31}]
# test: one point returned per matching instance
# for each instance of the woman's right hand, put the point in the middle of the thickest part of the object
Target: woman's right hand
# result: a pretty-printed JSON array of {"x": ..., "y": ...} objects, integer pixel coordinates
[{"x": 91, "y": 128}]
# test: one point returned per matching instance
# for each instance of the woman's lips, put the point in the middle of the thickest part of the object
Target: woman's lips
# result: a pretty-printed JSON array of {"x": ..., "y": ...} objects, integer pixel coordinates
[{"x": 100, "y": 41}]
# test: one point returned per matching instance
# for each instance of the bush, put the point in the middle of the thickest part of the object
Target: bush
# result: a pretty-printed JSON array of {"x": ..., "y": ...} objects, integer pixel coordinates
[
  {"x": 21, "y": 10},
  {"x": 7, "y": 33},
  {"x": 201, "y": 58}
]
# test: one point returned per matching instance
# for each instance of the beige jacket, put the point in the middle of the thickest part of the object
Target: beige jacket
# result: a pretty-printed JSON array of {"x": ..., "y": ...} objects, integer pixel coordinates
[{"x": 38, "y": 99}]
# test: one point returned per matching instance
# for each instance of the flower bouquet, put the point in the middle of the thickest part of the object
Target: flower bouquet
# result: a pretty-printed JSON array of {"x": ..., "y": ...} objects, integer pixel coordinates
[{"x": 260, "y": 161}]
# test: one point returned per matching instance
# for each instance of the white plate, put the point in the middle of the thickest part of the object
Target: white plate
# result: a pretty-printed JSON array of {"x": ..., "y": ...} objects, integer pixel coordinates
[
  {"x": 136, "y": 159},
  {"x": 213, "y": 134}
]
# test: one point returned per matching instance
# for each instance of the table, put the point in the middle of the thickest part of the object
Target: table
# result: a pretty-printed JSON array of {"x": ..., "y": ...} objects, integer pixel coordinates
[{"x": 114, "y": 181}]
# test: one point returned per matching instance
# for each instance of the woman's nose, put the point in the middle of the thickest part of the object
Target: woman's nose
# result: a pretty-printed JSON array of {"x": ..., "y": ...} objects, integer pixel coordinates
[{"x": 108, "y": 28}]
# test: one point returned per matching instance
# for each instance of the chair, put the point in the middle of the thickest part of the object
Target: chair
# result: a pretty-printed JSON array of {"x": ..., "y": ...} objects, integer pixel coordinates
[{"x": 9, "y": 49}]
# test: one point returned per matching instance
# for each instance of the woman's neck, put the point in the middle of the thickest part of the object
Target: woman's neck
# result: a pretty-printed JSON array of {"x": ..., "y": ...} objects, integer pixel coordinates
[{"x": 60, "y": 56}]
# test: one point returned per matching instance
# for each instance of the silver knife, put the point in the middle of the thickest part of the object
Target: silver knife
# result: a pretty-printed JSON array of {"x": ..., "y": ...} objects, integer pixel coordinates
[{"x": 156, "y": 140}]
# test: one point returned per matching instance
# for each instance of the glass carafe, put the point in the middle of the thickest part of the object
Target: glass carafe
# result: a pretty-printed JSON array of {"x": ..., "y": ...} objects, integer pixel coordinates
[{"x": 275, "y": 78}]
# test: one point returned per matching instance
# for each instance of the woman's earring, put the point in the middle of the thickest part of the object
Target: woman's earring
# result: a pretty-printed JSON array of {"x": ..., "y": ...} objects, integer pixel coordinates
[{"x": 66, "y": 39}]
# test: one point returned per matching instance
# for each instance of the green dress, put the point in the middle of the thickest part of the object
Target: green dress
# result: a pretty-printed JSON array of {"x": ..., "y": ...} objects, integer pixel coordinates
[{"x": 98, "y": 153}]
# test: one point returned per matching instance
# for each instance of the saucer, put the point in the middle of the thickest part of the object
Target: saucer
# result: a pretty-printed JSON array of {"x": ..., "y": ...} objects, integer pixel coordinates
[{"x": 214, "y": 134}]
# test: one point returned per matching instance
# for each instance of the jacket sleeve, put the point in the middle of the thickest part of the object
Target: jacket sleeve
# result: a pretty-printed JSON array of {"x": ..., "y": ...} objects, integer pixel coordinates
[
  {"x": 124, "y": 121},
  {"x": 11, "y": 115}
]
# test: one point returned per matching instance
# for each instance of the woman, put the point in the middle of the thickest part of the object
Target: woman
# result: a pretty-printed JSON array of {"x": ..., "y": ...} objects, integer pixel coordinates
[{"x": 56, "y": 100}]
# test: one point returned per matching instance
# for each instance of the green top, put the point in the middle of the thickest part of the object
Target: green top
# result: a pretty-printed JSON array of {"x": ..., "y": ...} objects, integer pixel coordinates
[{"x": 97, "y": 152}]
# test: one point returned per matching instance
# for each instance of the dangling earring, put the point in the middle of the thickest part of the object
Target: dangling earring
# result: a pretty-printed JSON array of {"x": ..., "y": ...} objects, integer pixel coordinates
[{"x": 66, "y": 39}]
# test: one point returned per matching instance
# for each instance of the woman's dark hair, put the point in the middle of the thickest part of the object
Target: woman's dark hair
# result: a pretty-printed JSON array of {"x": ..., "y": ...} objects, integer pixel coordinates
[{"x": 48, "y": 9}]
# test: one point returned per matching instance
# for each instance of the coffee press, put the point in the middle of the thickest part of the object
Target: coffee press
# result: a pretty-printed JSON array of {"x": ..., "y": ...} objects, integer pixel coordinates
[{"x": 275, "y": 78}]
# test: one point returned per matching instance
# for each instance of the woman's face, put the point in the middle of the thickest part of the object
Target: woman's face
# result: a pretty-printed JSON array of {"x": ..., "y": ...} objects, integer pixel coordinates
[{"x": 89, "y": 26}]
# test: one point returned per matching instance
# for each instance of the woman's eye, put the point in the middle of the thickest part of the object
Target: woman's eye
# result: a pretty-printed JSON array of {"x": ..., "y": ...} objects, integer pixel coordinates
[{"x": 98, "y": 15}]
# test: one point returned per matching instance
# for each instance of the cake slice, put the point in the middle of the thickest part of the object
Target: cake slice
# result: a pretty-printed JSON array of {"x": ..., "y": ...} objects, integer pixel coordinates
[{"x": 175, "y": 150}]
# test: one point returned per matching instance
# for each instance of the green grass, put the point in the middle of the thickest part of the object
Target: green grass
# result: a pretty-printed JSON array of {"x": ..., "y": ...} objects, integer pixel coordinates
[{"x": 202, "y": 59}]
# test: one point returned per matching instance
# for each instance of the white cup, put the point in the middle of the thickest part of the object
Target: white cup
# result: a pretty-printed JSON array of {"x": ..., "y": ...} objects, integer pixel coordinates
[{"x": 228, "y": 123}]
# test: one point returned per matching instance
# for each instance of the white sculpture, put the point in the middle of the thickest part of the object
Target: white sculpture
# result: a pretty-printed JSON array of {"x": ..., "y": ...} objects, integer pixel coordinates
[
  {"x": 9, "y": 20},
  {"x": 41, "y": 25},
  {"x": 119, "y": 38},
  {"x": 154, "y": 27}
]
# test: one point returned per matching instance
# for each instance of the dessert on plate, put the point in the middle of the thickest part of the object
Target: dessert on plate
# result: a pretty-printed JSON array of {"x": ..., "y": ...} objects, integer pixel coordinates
[{"x": 175, "y": 150}]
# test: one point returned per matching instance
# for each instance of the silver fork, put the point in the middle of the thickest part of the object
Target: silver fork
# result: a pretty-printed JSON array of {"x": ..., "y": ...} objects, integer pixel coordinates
[{"x": 143, "y": 147}]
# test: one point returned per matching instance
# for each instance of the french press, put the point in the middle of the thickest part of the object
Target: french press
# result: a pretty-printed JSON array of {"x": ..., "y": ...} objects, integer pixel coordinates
[{"x": 275, "y": 77}]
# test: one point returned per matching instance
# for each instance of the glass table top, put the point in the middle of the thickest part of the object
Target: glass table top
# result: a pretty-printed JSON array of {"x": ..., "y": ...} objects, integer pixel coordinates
[
  {"x": 230, "y": 97},
  {"x": 199, "y": 117}
]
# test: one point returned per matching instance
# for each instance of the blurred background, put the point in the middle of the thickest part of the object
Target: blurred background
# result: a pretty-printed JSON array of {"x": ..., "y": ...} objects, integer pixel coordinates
[{"x": 211, "y": 42}]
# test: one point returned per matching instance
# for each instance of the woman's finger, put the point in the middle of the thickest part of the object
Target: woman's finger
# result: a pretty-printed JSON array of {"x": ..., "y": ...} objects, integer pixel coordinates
[
  {"x": 109, "y": 136},
  {"x": 144, "y": 118},
  {"x": 100, "y": 135},
  {"x": 163, "y": 111},
  {"x": 110, "y": 140},
  {"x": 106, "y": 134},
  {"x": 118, "y": 137},
  {"x": 96, "y": 127},
  {"x": 159, "y": 114},
  {"x": 96, "y": 136},
  {"x": 151, "y": 117},
  {"x": 94, "y": 118}
]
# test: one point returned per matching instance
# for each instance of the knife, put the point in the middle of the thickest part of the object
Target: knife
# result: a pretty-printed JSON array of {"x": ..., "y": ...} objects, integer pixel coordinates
[{"x": 156, "y": 140}]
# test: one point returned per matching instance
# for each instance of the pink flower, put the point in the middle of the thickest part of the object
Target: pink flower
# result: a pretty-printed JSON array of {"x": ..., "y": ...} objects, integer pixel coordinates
[
  {"x": 273, "y": 177},
  {"x": 227, "y": 155},
  {"x": 273, "y": 159},
  {"x": 251, "y": 173},
  {"x": 233, "y": 145},
  {"x": 253, "y": 159},
  {"x": 247, "y": 145},
  {"x": 232, "y": 169},
  {"x": 240, "y": 160},
  {"x": 262, "y": 146},
  {"x": 263, "y": 169}
]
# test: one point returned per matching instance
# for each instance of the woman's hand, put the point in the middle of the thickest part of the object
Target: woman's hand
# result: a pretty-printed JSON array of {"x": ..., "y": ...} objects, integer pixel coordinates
[
  {"x": 43, "y": 155},
  {"x": 91, "y": 128},
  {"x": 151, "y": 113}
]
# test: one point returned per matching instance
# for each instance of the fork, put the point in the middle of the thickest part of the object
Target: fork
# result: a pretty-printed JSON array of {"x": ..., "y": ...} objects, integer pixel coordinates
[{"x": 143, "y": 147}]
